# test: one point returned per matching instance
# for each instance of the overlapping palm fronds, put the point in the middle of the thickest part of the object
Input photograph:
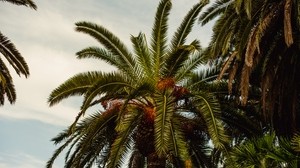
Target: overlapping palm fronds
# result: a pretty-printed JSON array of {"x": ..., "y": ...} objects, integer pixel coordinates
[
  {"x": 260, "y": 40},
  {"x": 150, "y": 95}
]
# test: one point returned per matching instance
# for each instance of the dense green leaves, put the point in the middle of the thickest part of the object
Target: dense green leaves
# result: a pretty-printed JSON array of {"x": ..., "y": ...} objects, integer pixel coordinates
[
  {"x": 147, "y": 94},
  {"x": 162, "y": 124}
]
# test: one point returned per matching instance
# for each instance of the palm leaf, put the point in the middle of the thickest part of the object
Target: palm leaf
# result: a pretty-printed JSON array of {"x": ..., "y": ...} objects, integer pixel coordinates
[
  {"x": 102, "y": 54},
  {"x": 209, "y": 108},
  {"x": 77, "y": 85},
  {"x": 108, "y": 83},
  {"x": 203, "y": 77},
  {"x": 162, "y": 123},
  {"x": 215, "y": 10},
  {"x": 288, "y": 32},
  {"x": 189, "y": 66},
  {"x": 295, "y": 142},
  {"x": 159, "y": 34},
  {"x": 7, "y": 87},
  {"x": 98, "y": 129},
  {"x": 109, "y": 40},
  {"x": 248, "y": 8},
  {"x": 179, "y": 143},
  {"x": 175, "y": 61},
  {"x": 27, "y": 3},
  {"x": 122, "y": 143},
  {"x": 58, "y": 139},
  {"x": 185, "y": 27},
  {"x": 12, "y": 55},
  {"x": 142, "y": 53}
]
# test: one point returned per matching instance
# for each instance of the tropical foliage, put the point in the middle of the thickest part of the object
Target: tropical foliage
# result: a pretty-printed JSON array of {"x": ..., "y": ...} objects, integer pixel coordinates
[
  {"x": 265, "y": 151},
  {"x": 158, "y": 109},
  {"x": 261, "y": 43},
  {"x": 14, "y": 58}
]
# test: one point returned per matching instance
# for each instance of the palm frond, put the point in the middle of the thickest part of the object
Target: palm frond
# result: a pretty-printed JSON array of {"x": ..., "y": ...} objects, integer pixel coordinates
[
  {"x": 7, "y": 88},
  {"x": 10, "y": 92},
  {"x": 209, "y": 109},
  {"x": 109, "y": 40},
  {"x": 193, "y": 62},
  {"x": 162, "y": 123},
  {"x": 76, "y": 85},
  {"x": 122, "y": 143},
  {"x": 27, "y": 3},
  {"x": 288, "y": 32},
  {"x": 224, "y": 30},
  {"x": 203, "y": 77},
  {"x": 248, "y": 8},
  {"x": 12, "y": 55},
  {"x": 215, "y": 10},
  {"x": 179, "y": 142},
  {"x": 92, "y": 137},
  {"x": 185, "y": 27},
  {"x": 142, "y": 53},
  {"x": 102, "y": 54},
  {"x": 159, "y": 34},
  {"x": 176, "y": 60},
  {"x": 108, "y": 83},
  {"x": 295, "y": 142},
  {"x": 63, "y": 136}
]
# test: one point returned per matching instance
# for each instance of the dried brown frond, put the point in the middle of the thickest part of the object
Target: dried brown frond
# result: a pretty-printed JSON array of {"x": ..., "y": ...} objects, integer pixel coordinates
[
  {"x": 288, "y": 32},
  {"x": 252, "y": 46},
  {"x": 268, "y": 19},
  {"x": 244, "y": 84},
  {"x": 232, "y": 74},
  {"x": 226, "y": 64},
  {"x": 258, "y": 31}
]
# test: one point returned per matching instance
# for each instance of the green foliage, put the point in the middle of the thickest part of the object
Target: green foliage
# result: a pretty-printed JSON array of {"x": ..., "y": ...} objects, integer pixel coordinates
[
  {"x": 265, "y": 151},
  {"x": 146, "y": 97},
  {"x": 207, "y": 105}
]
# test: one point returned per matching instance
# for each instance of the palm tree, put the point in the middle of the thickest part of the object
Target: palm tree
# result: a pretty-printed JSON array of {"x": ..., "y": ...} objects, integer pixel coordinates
[
  {"x": 266, "y": 151},
  {"x": 14, "y": 58},
  {"x": 260, "y": 40},
  {"x": 156, "y": 108}
]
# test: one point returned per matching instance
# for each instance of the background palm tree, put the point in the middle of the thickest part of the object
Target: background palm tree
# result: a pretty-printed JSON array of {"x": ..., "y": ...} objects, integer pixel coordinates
[
  {"x": 156, "y": 107},
  {"x": 14, "y": 58},
  {"x": 265, "y": 151},
  {"x": 261, "y": 43}
]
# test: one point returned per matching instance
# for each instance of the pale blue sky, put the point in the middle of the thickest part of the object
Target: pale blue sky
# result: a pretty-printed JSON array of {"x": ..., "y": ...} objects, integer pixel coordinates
[{"x": 47, "y": 40}]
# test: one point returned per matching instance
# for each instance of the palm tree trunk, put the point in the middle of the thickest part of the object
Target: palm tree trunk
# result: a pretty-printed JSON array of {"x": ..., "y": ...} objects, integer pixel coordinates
[{"x": 153, "y": 161}]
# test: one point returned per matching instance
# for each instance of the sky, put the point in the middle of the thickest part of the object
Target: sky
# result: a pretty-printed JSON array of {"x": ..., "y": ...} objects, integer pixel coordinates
[{"x": 48, "y": 42}]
